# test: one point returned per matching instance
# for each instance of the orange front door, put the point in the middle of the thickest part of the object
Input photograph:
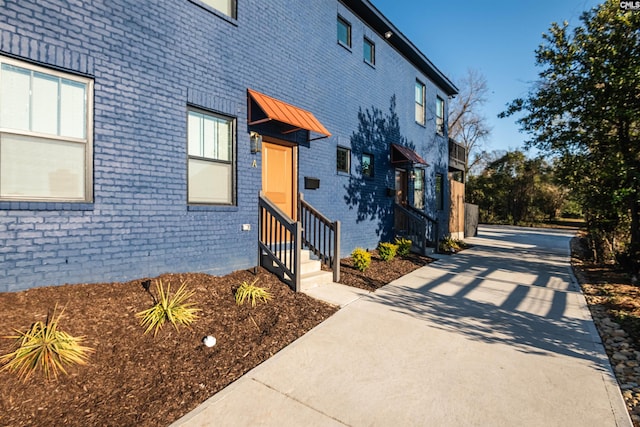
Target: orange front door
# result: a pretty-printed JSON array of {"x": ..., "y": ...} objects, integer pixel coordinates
[{"x": 279, "y": 176}]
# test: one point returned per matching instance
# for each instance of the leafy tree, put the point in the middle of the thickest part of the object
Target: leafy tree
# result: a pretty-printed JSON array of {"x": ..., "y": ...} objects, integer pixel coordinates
[
  {"x": 584, "y": 110},
  {"x": 514, "y": 189},
  {"x": 483, "y": 159}
]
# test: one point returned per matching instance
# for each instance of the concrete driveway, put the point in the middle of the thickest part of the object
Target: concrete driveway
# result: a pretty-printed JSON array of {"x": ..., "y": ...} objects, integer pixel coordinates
[{"x": 498, "y": 335}]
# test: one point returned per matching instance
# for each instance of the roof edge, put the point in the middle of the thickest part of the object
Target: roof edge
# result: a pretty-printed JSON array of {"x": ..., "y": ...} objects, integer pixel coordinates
[{"x": 381, "y": 24}]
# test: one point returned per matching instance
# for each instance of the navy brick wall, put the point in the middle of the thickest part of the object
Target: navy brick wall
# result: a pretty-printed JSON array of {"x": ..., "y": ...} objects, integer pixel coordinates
[{"x": 149, "y": 60}]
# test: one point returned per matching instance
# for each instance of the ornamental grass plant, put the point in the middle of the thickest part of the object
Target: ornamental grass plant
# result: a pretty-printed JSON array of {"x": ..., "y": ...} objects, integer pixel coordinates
[
  {"x": 45, "y": 348},
  {"x": 251, "y": 292},
  {"x": 173, "y": 308}
]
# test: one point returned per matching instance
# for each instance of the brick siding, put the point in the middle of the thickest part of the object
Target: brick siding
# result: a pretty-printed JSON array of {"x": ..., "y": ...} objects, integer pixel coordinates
[{"x": 149, "y": 61}]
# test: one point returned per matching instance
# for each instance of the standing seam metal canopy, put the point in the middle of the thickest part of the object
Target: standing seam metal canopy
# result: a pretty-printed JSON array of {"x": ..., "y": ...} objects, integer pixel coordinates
[
  {"x": 400, "y": 154},
  {"x": 280, "y": 111}
]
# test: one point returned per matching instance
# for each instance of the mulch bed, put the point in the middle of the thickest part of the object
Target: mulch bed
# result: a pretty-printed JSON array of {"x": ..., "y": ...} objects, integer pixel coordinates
[
  {"x": 134, "y": 379},
  {"x": 380, "y": 272},
  {"x": 142, "y": 380}
]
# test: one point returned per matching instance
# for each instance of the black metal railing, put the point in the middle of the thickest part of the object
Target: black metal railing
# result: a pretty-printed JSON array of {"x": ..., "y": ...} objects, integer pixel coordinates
[
  {"x": 279, "y": 243},
  {"x": 416, "y": 226},
  {"x": 320, "y": 235}
]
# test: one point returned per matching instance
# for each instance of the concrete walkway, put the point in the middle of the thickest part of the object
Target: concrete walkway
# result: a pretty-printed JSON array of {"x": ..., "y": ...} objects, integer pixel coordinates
[{"x": 498, "y": 335}]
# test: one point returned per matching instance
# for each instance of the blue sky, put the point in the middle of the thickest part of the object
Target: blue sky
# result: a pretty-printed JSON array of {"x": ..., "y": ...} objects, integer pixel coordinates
[{"x": 497, "y": 37}]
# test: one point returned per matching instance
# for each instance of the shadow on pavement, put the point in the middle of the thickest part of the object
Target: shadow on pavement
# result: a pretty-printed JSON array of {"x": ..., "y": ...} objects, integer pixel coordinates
[{"x": 524, "y": 272}]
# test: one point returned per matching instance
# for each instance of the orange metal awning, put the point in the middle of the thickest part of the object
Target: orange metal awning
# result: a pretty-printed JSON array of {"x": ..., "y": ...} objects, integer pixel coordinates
[
  {"x": 400, "y": 154},
  {"x": 280, "y": 111}
]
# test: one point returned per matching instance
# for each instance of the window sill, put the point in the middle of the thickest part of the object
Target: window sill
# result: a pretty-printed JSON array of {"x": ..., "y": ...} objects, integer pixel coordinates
[
  {"x": 45, "y": 206},
  {"x": 212, "y": 208},
  {"x": 370, "y": 64},
  {"x": 346, "y": 46}
]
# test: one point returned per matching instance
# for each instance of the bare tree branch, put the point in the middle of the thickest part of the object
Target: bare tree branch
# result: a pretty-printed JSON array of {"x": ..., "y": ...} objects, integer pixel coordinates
[{"x": 467, "y": 126}]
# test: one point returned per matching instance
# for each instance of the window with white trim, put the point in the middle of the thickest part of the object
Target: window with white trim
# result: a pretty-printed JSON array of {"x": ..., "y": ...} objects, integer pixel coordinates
[
  {"x": 210, "y": 158},
  {"x": 440, "y": 115},
  {"x": 46, "y": 134},
  {"x": 419, "y": 99},
  {"x": 228, "y": 7},
  {"x": 344, "y": 32},
  {"x": 369, "y": 51}
]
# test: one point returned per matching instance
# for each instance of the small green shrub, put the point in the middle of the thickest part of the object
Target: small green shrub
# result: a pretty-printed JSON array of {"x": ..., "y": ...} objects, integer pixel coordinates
[
  {"x": 451, "y": 245},
  {"x": 251, "y": 292},
  {"x": 361, "y": 259},
  {"x": 44, "y": 347},
  {"x": 173, "y": 308},
  {"x": 404, "y": 246},
  {"x": 448, "y": 245},
  {"x": 387, "y": 251}
]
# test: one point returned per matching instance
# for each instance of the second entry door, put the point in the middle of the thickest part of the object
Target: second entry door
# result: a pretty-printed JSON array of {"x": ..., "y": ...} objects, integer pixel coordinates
[{"x": 402, "y": 187}]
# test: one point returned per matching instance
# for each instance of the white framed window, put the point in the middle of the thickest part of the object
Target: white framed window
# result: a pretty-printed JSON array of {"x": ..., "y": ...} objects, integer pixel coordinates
[
  {"x": 344, "y": 32},
  {"x": 228, "y": 7},
  {"x": 419, "y": 99},
  {"x": 210, "y": 146},
  {"x": 440, "y": 115},
  {"x": 46, "y": 134},
  {"x": 369, "y": 51}
]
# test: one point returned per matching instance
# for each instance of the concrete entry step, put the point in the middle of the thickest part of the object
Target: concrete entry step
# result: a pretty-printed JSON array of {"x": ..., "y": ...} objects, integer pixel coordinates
[
  {"x": 311, "y": 273},
  {"x": 316, "y": 278},
  {"x": 309, "y": 266}
]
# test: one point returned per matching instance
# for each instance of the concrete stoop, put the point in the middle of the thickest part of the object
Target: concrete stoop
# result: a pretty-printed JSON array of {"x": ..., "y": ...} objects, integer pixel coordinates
[
  {"x": 318, "y": 278},
  {"x": 319, "y": 284},
  {"x": 311, "y": 273}
]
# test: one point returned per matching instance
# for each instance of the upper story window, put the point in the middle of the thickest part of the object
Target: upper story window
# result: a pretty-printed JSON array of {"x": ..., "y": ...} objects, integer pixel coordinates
[
  {"x": 228, "y": 7},
  {"x": 46, "y": 134},
  {"x": 440, "y": 115},
  {"x": 419, "y": 99},
  {"x": 369, "y": 51},
  {"x": 343, "y": 160},
  {"x": 367, "y": 165},
  {"x": 210, "y": 158},
  {"x": 344, "y": 32}
]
